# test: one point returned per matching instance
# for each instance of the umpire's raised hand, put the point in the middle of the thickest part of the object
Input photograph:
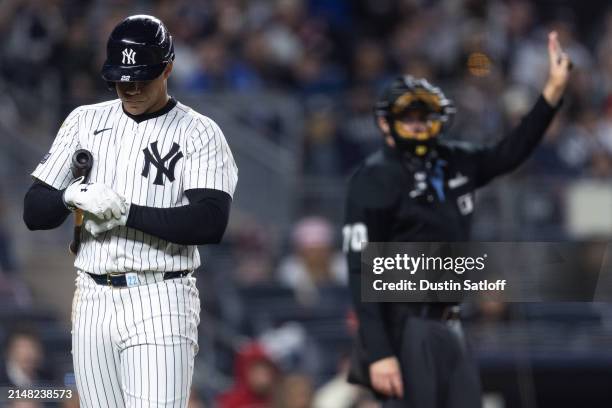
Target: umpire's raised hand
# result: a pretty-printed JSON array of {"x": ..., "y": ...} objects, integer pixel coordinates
[{"x": 559, "y": 70}]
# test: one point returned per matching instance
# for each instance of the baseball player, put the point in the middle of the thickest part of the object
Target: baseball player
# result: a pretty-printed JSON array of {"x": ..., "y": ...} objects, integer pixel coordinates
[
  {"x": 418, "y": 188},
  {"x": 161, "y": 183}
]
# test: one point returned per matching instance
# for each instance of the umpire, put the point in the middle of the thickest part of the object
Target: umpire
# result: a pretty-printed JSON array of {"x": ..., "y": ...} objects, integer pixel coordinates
[{"x": 418, "y": 188}]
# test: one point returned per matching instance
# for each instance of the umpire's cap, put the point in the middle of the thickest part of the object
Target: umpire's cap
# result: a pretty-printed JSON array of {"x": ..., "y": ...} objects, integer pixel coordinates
[{"x": 138, "y": 49}]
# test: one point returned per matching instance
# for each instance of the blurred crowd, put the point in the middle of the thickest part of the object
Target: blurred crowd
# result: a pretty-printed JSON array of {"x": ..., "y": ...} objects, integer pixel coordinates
[
  {"x": 488, "y": 55},
  {"x": 332, "y": 56}
]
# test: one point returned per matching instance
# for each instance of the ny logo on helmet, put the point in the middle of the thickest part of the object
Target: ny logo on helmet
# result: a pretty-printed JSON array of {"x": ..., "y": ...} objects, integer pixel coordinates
[{"x": 128, "y": 56}]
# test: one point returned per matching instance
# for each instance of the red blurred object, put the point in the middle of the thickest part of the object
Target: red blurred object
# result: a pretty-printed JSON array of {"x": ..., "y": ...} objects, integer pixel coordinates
[{"x": 255, "y": 375}]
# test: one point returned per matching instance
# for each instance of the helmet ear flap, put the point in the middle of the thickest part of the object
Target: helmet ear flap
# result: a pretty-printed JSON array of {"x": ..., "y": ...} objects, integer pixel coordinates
[{"x": 171, "y": 54}]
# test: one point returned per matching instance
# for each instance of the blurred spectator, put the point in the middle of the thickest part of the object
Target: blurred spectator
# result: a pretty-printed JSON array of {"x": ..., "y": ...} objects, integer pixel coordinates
[
  {"x": 357, "y": 123},
  {"x": 13, "y": 291},
  {"x": 369, "y": 63},
  {"x": 294, "y": 391},
  {"x": 72, "y": 402},
  {"x": 327, "y": 152},
  {"x": 579, "y": 142},
  {"x": 253, "y": 246},
  {"x": 519, "y": 19},
  {"x": 604, "y": 58},
  {"x": 7, "y": 257},
  {"x": 219, "y": 70},
  {"x": 293, "y": 348},
  {"x": 479, "y": 101},
  {"x": 255, "y": 377},
  {"x": 77, "y": 67},
  {"x": 312, "y": 75},
  {"x": 604, "y": 131},
  {"x": 337, "y": 392},
  {"x": 24, "y": 360},
  {"x": 375, "y": 18},
  {"x": 283, "y": 32},
  {"x": 547, "y": 159},
  {"x": 25, "y": 404},
  {"x": 314, "y": 261},
  {"x": 31, "y": 31},
  {"x": 257, "y": 54},
  {"x": 322, "y": 145}
]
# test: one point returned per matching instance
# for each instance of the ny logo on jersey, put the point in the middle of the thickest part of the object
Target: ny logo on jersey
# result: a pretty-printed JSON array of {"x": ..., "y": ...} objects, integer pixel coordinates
[
  {"x": 128, "y": 56},
  {"x": 153, "y": 157}
]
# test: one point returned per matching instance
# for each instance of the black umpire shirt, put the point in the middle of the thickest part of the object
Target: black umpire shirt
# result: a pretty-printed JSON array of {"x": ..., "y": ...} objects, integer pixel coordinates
[{"x": 393, "y": 197}]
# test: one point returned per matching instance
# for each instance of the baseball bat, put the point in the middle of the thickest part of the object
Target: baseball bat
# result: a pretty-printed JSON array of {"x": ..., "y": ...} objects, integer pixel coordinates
[{"x": 82, "y": 162}]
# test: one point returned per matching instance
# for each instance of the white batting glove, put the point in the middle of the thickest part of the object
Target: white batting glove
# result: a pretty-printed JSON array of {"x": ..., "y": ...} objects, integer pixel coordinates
[
  {"x": 94, "y": 198},
  {"x": 96, "y": 226}
]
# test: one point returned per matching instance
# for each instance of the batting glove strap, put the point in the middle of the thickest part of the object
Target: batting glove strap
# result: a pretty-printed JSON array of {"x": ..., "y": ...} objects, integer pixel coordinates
[{"x": 69, "y": 205}]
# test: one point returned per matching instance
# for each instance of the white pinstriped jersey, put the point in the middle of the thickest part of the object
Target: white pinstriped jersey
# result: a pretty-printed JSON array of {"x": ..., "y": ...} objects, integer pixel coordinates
[{"x": 151, "y": 163}]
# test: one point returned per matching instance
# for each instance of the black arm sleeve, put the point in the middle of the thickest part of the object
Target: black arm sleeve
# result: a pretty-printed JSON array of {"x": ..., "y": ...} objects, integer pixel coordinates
[
  {"x": 43, "y": 207},
  {"x": 516, "y": 147},
  {"x": 367, "y": 208},
  {"x": 202, "y": 221}
]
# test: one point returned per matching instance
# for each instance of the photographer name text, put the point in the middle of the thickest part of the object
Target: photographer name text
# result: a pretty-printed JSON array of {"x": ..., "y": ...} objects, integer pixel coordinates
[{"x": 447, "y": 285}]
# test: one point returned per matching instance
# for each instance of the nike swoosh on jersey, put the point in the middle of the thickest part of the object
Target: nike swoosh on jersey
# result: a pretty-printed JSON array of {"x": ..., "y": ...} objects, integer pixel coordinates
[{"x": 101, "y": 130}]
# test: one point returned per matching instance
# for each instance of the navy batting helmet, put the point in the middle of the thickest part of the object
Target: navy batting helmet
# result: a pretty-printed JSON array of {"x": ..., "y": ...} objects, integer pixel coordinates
[{"x": 138, "y": 49}]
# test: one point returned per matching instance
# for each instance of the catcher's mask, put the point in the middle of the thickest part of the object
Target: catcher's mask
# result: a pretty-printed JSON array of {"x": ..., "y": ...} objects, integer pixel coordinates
[
  {"x": 138, "y": 49},
  {"x": 408, "y": 100}
]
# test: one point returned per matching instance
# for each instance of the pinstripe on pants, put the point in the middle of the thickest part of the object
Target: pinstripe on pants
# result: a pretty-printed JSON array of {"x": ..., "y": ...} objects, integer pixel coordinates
[{"x": 135, "y": 347}]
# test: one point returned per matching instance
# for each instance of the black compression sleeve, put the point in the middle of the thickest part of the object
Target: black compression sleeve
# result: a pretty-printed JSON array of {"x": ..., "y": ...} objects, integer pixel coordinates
[
  {"x": 202, "y": 221},
  {"x": 43, "y": 207}
]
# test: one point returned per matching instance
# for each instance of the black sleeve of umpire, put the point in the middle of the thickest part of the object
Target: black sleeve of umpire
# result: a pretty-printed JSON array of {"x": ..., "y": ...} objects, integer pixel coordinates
[
  {"x": 368, "y": 204},
  {"x": 371, "y": 323},
  {"x": 43, "y": 207},
  {"x": 515, "y": 147},
  {"x": 202, "y": 221}
]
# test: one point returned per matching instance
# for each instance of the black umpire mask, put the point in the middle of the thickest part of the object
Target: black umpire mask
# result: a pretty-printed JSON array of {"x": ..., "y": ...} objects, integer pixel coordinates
[{"x": 416, "y": 113}]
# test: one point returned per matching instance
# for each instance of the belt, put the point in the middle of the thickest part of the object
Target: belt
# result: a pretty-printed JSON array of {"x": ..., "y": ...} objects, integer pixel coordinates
[{"x": 120, "y": 279}]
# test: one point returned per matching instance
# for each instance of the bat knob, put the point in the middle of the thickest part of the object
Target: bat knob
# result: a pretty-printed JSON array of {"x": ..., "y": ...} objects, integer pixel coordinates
[
  {"x": 82, "y": 162},
  {"x": 82, "y": 158}
]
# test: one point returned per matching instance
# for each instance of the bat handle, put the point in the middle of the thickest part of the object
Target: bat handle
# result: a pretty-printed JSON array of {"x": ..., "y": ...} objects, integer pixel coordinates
[
  {"x": 76, "y": 238},
  {"x": 81, "y": 164}
]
